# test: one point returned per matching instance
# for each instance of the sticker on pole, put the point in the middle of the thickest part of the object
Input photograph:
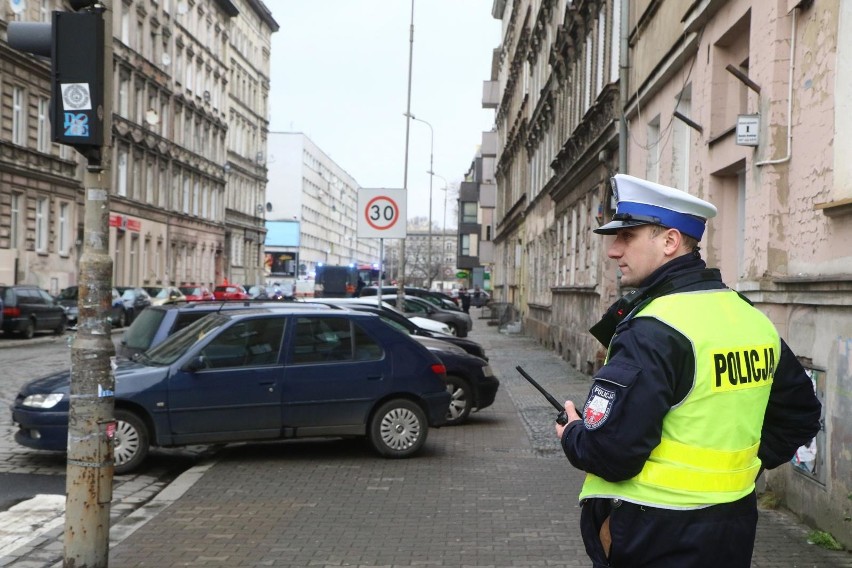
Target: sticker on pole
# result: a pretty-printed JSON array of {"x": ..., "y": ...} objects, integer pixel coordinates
[{"x": 381, "y": 213}]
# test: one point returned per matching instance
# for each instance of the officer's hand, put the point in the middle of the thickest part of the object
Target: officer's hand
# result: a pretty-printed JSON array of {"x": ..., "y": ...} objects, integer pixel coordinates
[{"x": 571, "y": 411}]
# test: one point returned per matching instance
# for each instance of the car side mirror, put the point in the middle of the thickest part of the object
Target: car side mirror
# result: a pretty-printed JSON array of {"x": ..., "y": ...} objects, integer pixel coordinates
[{"x": 196, "y": 364}]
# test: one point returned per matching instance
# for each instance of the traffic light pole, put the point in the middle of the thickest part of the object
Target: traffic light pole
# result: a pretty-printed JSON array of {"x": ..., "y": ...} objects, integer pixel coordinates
[
  {"x": 91, "y": 424},
  {"x": 79, "y": 46}
]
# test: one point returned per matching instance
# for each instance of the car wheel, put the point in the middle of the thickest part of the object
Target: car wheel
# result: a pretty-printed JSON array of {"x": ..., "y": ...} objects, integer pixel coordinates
[
  {"x": 130, "y": 445},
  {"x": 398, "y": 429},
  {"x": 60, "y": 329},
  {"x": 454, "y": 329},
  {"x": 29, "y": 329},
  {"x": 461, "y": 400}
]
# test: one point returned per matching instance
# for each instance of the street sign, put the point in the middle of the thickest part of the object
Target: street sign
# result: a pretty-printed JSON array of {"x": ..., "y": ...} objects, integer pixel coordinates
[{"x": 381, "y": 213}]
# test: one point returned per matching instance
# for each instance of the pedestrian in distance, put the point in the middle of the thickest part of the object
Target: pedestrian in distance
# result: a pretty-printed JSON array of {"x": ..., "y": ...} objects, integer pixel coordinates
[
  {"x": 465, "y": 300},
  {"x": 698, "y": 394}
]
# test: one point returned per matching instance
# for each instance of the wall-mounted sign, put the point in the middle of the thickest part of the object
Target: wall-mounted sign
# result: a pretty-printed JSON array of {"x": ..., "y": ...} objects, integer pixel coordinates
[{"x": 748, "y": 127}]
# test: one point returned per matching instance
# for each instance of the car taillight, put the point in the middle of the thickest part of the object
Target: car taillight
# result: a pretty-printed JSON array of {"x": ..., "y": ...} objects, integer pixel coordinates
[
  {"x": 12, "y": 312},
  {"x": 439, "y": 369}
]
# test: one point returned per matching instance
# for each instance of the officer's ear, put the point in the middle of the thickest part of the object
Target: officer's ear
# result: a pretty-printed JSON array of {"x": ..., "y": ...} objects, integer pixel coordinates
[{"x": 673, "y": 241}]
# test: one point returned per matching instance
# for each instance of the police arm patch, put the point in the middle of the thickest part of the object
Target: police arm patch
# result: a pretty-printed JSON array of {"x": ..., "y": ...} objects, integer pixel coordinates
[{"x": 598, "y": 407}]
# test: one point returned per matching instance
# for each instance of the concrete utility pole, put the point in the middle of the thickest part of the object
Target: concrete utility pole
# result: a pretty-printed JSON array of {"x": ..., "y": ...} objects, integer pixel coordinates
[{"x": 91, "y": 423}]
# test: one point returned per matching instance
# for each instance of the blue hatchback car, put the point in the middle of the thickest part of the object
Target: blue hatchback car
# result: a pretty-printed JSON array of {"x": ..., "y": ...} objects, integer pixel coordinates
[{"x": 259, "y": 374}]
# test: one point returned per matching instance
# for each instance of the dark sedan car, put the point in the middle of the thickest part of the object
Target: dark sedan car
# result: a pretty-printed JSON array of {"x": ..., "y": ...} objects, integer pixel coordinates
[
  {"x": 470, "y": 380},
  {"x": 67, "y": 298},
  {"x": 390, "y": 312},
  {"x": 28, "y": 309},
  {"x": 459, "y": 322},
  {"x": 258, "y": 375},
  {"x": 135, "y": 300}
]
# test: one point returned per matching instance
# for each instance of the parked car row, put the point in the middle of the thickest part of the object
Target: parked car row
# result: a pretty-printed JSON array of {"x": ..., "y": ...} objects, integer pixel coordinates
[{"x": 216, "y": 372}]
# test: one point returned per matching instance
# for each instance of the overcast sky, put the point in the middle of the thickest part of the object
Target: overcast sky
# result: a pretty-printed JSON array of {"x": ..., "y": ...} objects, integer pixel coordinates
[{"x": 340, "y": 75}]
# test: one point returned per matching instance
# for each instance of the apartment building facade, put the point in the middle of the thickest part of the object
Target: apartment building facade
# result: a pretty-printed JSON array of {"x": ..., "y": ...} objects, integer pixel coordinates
[
  {"x": 306, "y": 185},
  {"x": 169, "y": 160},
  {"x": 737, "y": 102}
]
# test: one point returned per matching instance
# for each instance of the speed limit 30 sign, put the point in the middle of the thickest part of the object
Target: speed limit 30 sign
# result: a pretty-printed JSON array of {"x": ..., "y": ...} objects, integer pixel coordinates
[{"x": 381, "y": 213}]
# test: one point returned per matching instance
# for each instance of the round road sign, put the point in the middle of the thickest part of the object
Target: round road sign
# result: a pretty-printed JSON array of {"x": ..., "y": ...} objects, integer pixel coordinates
[{"x": 381, "y": 213}]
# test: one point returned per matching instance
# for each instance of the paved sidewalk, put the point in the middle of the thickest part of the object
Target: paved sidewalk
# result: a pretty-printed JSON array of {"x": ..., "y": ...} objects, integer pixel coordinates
[{"x": 496, "y": 492}]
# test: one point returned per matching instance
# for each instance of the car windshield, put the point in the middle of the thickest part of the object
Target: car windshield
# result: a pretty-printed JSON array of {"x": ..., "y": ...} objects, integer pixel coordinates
[
  {"x": 395, "y": 324},
  {"x": 68, "y": 294},
  {"x": 140, "y": 334},
  {"x": 191, "y": 291},
  {"x": 128, "y": 294},
  {"x": 164, "y": 293},
  {"x": 177, "y": 344}
]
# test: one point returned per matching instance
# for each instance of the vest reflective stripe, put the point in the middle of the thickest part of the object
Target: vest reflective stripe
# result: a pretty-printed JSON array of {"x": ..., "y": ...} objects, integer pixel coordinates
[
  {"x": 676, "y": 477},
  {"x": 701, "y": 461},
  {"x": 705, "y": 458}
]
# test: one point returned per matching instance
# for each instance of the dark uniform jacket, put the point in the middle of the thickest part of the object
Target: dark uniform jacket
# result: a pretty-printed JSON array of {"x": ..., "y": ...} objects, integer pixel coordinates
[{"x": 618, "y": 449}]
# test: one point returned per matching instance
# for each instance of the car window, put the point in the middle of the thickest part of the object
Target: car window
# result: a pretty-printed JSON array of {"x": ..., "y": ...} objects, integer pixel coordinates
[
  {"x": 45, "y": 297},
  {"x": 185, "y": 319},
  {"x": 141, "y": 332},
  {"x": 31, "y": 296},
  {"x": 176, "y": 345},
  {"x": 68, "y": 294},
  {"x": 320, "y": 340},
  {"x": 247, "y": 343},
  {"x": 414, "y": 307}
]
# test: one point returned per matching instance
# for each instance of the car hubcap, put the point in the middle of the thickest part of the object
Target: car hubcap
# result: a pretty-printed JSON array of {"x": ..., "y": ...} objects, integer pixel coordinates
[
  {"x": 400, "y": 429},
  {"x": 458, "y": 402},
  {"x": 126, "y": 443}
]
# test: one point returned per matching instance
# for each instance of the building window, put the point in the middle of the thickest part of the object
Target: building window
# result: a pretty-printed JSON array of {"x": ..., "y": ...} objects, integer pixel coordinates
[
  {"x": 469, "y": 212},
  {"x": 18, "y": 117},
  {"x": 237, "y": 251},
  {"x": 134, "y": 258},
  {"x": 652, "y": 166},
  {"x": 42, "y": 224},
  {"x": 465, "y": 245},
  {"x": 43, "y": 128},
  {"x": 63, "y": 229},
  {"x": 121, "y": 174},
  {"x": 15, "y": 220},
  {"x": 185, "y": 195},
  {"x": 124, "y": 95},
  {"x": 196, "y": 188},
  {"x": 125, "y": 23}
]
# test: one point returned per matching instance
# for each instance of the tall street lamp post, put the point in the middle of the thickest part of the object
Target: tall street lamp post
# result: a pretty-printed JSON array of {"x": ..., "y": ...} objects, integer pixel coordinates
[
  {"x": 446, "y": 190},
  {"x": 431, "y": 173}
]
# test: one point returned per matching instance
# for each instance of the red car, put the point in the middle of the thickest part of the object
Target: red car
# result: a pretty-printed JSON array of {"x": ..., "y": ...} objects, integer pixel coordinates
[
  {"x": 230, "y": 292},
  {"x": 197, "y": 293}
]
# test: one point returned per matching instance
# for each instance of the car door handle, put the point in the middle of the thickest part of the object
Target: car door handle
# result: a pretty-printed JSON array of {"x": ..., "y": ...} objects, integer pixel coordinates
[{"x": 374, "y": 377}]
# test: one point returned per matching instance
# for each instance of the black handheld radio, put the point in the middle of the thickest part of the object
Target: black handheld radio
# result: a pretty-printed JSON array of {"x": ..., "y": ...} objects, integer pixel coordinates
[{"x": 562, "y": 418}]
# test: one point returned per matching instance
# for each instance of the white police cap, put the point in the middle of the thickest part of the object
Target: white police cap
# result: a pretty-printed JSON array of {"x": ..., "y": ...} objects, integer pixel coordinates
[{"x": 642, "y": 202}]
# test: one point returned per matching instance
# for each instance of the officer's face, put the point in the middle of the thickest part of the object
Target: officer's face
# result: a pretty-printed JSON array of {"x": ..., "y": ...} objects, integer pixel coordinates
[{"x": 639, "y": 251}]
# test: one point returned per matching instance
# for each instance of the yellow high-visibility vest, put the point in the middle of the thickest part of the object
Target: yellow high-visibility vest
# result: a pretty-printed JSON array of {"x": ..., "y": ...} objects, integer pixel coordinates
[{"x": 708, "y": 451}]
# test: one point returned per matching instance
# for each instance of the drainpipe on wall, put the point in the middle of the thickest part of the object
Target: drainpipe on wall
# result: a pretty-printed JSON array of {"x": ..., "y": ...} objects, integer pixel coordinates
[{"x": 789, "y": 100}]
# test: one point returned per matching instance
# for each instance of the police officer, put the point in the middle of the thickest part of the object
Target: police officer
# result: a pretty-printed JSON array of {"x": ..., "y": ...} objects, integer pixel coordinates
[{"x": 697, "y": 396}]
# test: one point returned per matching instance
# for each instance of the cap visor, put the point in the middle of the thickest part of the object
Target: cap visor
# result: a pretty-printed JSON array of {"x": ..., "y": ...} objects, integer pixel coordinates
[{"x": 613, "y": 226}]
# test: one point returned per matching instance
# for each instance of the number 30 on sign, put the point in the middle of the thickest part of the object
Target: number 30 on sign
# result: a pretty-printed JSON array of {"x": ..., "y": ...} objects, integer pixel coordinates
[{"x": 381, "y": 213}]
